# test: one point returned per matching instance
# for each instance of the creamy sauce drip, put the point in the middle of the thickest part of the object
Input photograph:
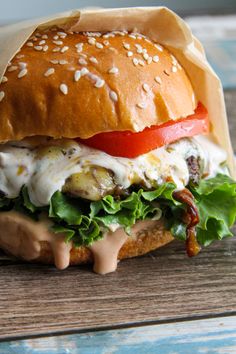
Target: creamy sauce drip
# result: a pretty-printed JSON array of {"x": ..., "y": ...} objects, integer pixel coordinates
[
  {"x": 105, "y": 251},
  {"x": 45, "y": 169},
  {"x": 23, "y": 238}
]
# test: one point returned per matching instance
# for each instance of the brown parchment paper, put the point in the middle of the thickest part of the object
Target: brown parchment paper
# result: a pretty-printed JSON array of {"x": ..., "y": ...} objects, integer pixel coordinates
[{"x": 159, "y": 24}]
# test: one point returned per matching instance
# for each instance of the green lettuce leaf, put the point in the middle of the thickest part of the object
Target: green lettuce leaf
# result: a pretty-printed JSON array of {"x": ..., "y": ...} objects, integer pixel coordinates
[
  {"x": 216, "y": 202},
  {"x": 65, "y": 208},
  {"x": 85, "y": 222},
  {"x": 26, "y": 200}
]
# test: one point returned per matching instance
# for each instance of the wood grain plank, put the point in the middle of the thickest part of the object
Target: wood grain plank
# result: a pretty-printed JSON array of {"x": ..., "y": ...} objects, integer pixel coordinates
[
  {"x": 159, "y": 286},
  {"x": 164, "y": 285},
  {"x": 203, "y": 336}
]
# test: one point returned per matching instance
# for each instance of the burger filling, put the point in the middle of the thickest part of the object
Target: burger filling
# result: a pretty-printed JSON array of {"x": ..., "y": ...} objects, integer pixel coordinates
[{"x": 87, "y": 192}]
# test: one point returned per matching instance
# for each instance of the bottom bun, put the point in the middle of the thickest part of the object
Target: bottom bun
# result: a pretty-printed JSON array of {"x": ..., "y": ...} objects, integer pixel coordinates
[
  {"x": 31, "y": 241},
  {"x": 148, "y": 240}
]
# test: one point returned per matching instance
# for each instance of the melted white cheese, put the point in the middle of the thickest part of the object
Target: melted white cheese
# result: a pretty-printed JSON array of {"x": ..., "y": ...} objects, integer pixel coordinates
[{"x": 44, "y": 170}]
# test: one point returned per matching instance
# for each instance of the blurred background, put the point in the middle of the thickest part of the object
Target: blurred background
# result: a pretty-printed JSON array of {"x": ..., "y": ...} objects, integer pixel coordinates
[
  {"x": 15, "y": 10},
  {"x": 212, "y": 21}
]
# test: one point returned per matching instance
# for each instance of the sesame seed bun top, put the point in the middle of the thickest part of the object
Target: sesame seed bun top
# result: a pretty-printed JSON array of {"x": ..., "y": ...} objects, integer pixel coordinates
[{"x": 79, "y": 84}]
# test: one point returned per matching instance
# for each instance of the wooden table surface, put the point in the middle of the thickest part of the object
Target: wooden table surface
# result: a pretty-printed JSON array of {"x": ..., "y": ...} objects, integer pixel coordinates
[{"x": 162, "y": 287}]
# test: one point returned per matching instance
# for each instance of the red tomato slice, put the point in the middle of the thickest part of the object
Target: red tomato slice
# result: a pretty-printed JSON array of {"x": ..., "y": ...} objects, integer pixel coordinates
[{"x": 129, "y": 144}]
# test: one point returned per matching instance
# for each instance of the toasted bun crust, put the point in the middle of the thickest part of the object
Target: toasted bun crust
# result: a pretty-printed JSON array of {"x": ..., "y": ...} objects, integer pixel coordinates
[
  {"x": 147, "y": 240},
  {"x": 145, "y": 87}
]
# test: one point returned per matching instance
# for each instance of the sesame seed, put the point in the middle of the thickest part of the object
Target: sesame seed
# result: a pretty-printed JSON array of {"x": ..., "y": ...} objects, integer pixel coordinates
[
  {"x": 119, "y": 33},
  {"x": 79, "y": 45},
  {"x": 138, "y": 46},
  {"x": 45, "y": 36},
  {"x": 144, "y": 50},
  {"x": 22, "y": 65},
  {"x": 38, "y": 34},
  {"x": 99, "y": 83},
  {"x": 93, "y": 60},
  {"x": 93, "y": 76},
  {"x": 64, "y": 89},
  {"x": 99, "y": 45},
  {"x": 20, "y": 56},
  {"x": 91, "y": 41},
  {"x": 92, "y": 34},
  {"x": 159, "y": 47},
  {"x": 174, "y": 61},
  {"x": 35, "y": 39},
  {"x": 56, "y": 38},
  {"x": 149, "y": 61},
  {"x": 132, "y": 36},
  {"x": 145, "y": 56},
  {"x": 49, "y": 72},
  {"x": 113, "y": 70},
  {"x": 42, "y": 42},
  {"x": 4, "y": 79},
  {"x": 83, "y": 55},
  {"x": 113, "y": 95},
  {"x": 139, "y": 50},
  {"x": 62, "y": 34},
  {"x": 106, "y": 43},
  {"x": 57, "y": 49},
  {"x": 63, "y": 62},
  {"x": 135, "y": 61},
  {"x": 155, "y": 58},
  {"x": 64, "y": 49},
  {"x": 58, "y": 42},
  {"x": 22, "y": 73},
  {"x": 109, "y": 35},
  {"x": 126, "y": 46},
  {"x": 141, "y": 62},
  {"x": 141, "y": 105},
  {"x": 77, "y": 75},
  {"x": 146, "y": 87},
  {"x": 174, "y": 69},
  {"x": 12, "y": 68},
  {"x": 158, "y": 79},
  {"x": 130, "y": 54},
  {"x": 45, "y": 48},
  {"x": 54, "y": 61},
  {"x": 38, "y": 47},
  {"x": 84, "y": 71},
  {"x": 82, "y": 61},
  {"x": 2, "y": 95}
]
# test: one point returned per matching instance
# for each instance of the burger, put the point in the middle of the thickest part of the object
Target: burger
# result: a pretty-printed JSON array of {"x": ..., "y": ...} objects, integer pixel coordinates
[{"x": 106, "y": 152}]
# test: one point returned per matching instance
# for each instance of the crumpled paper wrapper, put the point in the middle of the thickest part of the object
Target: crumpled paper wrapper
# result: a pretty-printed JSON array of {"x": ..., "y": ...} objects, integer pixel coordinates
[{"x": 159, "y": 24}]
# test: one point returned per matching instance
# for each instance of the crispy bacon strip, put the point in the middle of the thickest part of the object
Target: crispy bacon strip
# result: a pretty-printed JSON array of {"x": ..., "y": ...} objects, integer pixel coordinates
[{"x": 191, "y": 218}]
